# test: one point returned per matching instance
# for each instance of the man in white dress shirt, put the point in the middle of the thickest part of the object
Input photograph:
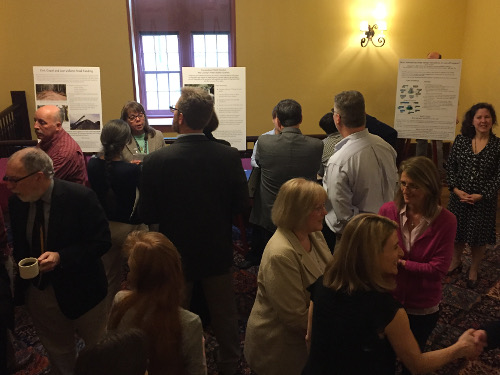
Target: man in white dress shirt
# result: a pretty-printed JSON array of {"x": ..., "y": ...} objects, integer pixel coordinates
[
  {"x": 274, "y": 131},
  {"x": 361, "y": 175}
]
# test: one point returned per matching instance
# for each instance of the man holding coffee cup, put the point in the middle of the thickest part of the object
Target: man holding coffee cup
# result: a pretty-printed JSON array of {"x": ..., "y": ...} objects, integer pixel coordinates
[{"x": 62, "y": 226}]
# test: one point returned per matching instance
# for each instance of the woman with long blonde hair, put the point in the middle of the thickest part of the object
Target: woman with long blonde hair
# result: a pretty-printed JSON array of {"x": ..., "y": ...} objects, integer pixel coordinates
[{"x": 357, "y": 327}]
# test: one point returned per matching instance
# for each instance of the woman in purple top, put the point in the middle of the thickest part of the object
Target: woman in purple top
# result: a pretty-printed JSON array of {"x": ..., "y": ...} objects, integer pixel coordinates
[{"x": 426, "y": 233}]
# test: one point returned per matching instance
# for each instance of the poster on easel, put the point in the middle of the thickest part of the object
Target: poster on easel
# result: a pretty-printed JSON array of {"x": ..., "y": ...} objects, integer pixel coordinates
[
  {"x": 427, "y": 98},
  {"x": 228, "y": 87},
  {"x": 77, "y": 91}
]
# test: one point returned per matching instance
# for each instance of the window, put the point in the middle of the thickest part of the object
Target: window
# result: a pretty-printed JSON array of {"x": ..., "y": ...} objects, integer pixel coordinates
[
  {"x": 161, "y": 70},
  {"x": 211, "y": 50},
  {"x": 169, "y": 34}
]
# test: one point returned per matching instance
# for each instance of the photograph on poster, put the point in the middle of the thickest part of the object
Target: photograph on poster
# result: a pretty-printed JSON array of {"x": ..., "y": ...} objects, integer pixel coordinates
[
  {"x": 51, "y": 92},
  {"x": 85, "y": 122},
  {"x": 208, "y": 87},
  {"x": 64, "y": 108}
]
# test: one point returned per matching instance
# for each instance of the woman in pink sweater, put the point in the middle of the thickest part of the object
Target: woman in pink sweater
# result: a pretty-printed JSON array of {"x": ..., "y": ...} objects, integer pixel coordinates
[{"x": 426, "y": 234}]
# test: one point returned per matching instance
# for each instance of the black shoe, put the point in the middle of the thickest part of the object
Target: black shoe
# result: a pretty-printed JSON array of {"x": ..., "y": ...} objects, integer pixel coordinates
[
  {"x": 471, "y": 284},
  {"x": 247, "y": 264}
]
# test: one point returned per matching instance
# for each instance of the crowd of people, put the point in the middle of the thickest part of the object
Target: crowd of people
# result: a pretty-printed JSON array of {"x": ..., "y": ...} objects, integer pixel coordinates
[{"x": 350, "y": 269}]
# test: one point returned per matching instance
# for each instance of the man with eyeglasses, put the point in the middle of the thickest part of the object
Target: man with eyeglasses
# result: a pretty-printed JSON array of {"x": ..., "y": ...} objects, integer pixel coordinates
[
  {"x": 192, "y": 189},
  {"x": 63, "y": 225},
  {"x": 361, "y": 175},
  {"x": 66, "y": 154}
]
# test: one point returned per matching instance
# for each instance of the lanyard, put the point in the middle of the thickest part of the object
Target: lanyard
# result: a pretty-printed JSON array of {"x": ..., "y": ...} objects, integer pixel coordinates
[{"x": 145, "y": 145}]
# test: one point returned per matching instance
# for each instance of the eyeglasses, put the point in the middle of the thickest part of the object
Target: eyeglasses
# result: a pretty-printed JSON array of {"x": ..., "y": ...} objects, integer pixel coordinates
[
  {"x": 16, "y": 180},
  {"x": 404, "y": 185},
  {"x": 173, "y": 109},
  {"x": 133, "y": 117}
]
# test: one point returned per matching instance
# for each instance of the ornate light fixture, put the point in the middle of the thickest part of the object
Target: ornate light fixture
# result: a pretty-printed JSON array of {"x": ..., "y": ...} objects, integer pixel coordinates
[{"x": 369, "y": 32}]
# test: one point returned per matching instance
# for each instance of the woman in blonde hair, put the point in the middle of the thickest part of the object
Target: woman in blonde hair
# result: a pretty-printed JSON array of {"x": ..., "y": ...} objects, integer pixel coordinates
[
  {"x": 357, "y": 326},
  {"x": 293, "y": 259},
  {"x": 153, "y": 305}
]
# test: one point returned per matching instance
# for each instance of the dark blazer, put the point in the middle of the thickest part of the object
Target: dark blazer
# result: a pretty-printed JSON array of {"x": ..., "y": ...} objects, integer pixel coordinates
[
  {"x": 192, "y": 189},
  {"x": 282, "y": 157},
  {"x": 79, "y": 232},
  {"x": 384, "y": 131}
]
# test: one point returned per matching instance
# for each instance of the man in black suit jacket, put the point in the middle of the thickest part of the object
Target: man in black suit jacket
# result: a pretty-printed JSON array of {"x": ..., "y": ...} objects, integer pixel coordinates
[
  {"x": 68, "y": 296},
  {"x": 192, "y": 189},
  {"x": 384, "y": 131}
]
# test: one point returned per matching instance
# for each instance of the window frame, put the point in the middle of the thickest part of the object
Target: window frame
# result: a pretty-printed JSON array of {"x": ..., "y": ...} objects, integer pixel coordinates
[{"x": 162, "y": 119}]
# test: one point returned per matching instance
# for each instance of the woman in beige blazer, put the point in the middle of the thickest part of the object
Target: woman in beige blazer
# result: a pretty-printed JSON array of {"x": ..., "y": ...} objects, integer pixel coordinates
[
  {"x": 144, "y": 139},
  {"x": 294, "y": 258}
]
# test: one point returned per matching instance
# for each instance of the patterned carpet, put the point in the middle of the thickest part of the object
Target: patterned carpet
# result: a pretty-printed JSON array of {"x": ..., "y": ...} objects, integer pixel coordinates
[{"x": 461, "y": 309}]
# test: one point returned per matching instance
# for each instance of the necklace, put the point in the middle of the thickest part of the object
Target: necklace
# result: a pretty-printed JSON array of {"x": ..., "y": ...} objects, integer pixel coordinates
[
  {"x": 414, "y": 220},
  {"x": 141, "y": 150},
  {"x": 474, "y": 146}
]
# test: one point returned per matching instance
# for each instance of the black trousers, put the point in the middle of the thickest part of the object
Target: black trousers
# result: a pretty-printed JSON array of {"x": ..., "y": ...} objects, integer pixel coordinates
[
  {"x": 330, "y": 236},
  {"x": 421, "y": 327},
  {"x": 260, "y": 238}
]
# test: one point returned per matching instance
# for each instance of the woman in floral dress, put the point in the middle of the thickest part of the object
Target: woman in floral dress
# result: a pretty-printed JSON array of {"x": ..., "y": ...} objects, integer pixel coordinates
[{"x": 474, "y": 179}]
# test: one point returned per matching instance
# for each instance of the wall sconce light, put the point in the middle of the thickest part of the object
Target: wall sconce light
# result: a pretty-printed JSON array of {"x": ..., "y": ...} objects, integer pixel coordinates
[{"x": 370, "y": 33}]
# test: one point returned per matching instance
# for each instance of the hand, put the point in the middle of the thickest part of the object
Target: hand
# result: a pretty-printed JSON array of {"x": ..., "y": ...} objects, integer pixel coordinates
[
  {"x": 402, "y": 263},
  {"x": 308, "y": 342},
  {"x": 476, "y": 197},
  {"x": 481, "y": 340},
  {"x": 467, "y": 342},
  {"x": 48, "y": 261},
  {"x": 463, "y": 196},
  {"x": 136, "y": 161}
]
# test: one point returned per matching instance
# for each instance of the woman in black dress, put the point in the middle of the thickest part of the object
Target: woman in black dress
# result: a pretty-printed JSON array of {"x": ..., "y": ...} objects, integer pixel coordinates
[
  {"x": 474, "y": 179},
  {"x": 357, "y": 326}
]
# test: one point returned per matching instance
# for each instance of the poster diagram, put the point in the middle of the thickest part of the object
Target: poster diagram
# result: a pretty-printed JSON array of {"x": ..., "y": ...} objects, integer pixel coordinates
[{"x": 409, "y": 99}]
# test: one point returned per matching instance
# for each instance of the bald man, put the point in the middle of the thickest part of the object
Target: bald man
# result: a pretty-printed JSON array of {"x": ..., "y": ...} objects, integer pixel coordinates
[
  {"x": 421, "y": 149},
  {"x": 67, "y": 156}
]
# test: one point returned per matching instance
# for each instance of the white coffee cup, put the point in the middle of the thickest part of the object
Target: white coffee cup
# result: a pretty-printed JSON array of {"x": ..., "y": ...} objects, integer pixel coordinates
[{"x": 28, "y": 268}]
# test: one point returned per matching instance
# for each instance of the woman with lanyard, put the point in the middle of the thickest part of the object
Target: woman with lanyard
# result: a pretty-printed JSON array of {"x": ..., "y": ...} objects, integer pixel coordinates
[{"x": 144, "y": 139}]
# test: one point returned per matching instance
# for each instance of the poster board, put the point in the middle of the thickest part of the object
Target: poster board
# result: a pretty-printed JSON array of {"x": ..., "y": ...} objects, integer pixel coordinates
[
  {"x": 427, "y": 98},
  {"x": 228, "y": 87},
  {"x": 77, "y": 91}
]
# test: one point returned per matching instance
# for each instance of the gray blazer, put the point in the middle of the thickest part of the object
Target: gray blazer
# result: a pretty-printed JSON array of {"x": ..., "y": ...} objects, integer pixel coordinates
[
  {"x": 154, "y": 143},
  {"x": 282, "y": 157},
  {"x": 275, "y": 335}
]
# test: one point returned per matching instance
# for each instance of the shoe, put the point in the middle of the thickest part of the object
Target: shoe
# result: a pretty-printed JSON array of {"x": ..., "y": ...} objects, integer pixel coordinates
[
  {"x": 455, "y": 271},
  {"x": 247, "y": 264},
  {"x": 471, "y": 284}
]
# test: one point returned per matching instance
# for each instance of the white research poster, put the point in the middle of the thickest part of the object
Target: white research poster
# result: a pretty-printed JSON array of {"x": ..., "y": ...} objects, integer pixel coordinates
[
  {"x": 228, "y": 86},
  {"x": 427, "y": 98},
  {"x": 77, "y": 91}
]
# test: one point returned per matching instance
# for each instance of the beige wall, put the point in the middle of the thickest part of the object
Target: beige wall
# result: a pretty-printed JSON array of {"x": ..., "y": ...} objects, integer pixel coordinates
[
  {"x": 310, "y": 50},
  {"x": 481, "y": 56},
  {"x": 306, "y": 50},
  {"x": 66, "y": 33}
]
